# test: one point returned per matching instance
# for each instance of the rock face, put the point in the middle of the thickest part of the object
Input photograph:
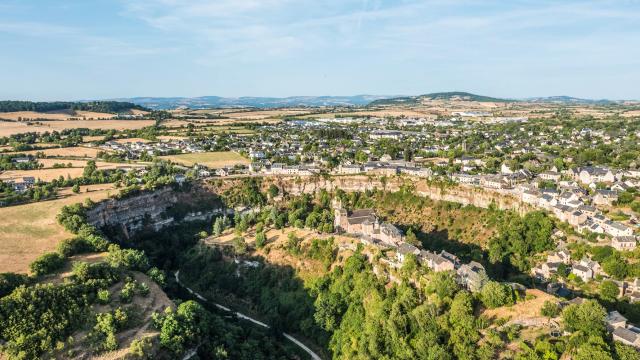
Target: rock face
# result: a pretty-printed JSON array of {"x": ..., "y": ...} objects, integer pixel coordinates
[
  {"x": 132, "y": 214},
  {"x": 147, "y": 209},
  {"x": 462, "y": 194}
]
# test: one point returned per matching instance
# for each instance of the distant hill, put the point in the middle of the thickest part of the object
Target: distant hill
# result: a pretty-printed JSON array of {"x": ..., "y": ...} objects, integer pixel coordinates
[
  {"x": 570, "y": 100},
  {"x": 43, "y": 107},
  {"x": 204, "y": 102},
  {"x": 453, "y": 95}
]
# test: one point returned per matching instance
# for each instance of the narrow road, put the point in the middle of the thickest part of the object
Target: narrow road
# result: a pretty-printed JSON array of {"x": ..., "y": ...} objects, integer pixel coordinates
[{"x": 314, "y": 356}]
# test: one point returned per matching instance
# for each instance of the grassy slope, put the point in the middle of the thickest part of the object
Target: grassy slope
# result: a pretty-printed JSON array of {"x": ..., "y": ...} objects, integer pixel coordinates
[{"x": 28, "y": 231}]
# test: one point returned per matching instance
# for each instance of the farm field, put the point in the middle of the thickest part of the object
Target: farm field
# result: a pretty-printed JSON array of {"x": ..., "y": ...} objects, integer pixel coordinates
[
  {"x": 76, "y": 151},
  {"x": 32, "y": 115},
  {"x": 27, "y": 231},
  {"x": 8, "y": 128},
  {"x": 210, "y": 159},
  {"x": 49, "y": 174},
  {"x": 88, "y": 139}
]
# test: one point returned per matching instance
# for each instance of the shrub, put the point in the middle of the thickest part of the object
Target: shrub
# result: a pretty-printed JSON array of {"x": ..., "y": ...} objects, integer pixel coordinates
[
  {"x": 550, "y": 309},
  {"x": 73, "y": 246},
  {"x": 100, "y": 275},
  {"x": 158, "y": 276},
  {"x": 127, "y": 258},
  {"x": 239, "y": 245},
  {"x": 47, "y": 263},
  {"x": 261, "y": 239},
  {"x": 10, "y": 281},
  {"x": 493, "y": 295},
  {"x": 141, "y": 348},
  {"x": 128, "y": 291},
  {"x": 103, "y": 296},
  {"x": 143, "y": 289}
]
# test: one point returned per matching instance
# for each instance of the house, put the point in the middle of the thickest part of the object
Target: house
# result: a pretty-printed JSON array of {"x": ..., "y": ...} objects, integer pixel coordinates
[
  {"x": 449, "y": 256},
  {"x": 349, "y": 169},
  {"x": 628, "y": 336},
  {"x": 472, "y": 276},
  {"x": 547, "y": 201},
  {"x": 222, "y": 172},
  {"x": 615, "y": 320},
  {"x": 405, "y": 249},
  {"x": 435, "y": 261},
  {"x": 559, "y": 289},
  {"x": 615, "y": 228},
  {"x": 562, "y": 256},
  {"x": 546, "y": 270},
  {"x": 203, "y": 173},
  {"x": 620, "y": 186},
  {"x": 530, "y": 197},
  {"x": 550, "y": 176},
  {"x": 622, "y": 243},
  {"x": 256, "y": 155},
  {"x": 365, "y": 223},
  {"x": 20, "y": 160},
  {"x": 593, "y": 265},
  {"x": 605, "y": 197},
  {"x": 504, "y": 169},
  {"x": 493, "y": 182},
  {"x": 592, "y": 175},
  {"x": 416, "y": 171},
  {"x": 567, "y": 197},
  {"x": 583, "y": 272},
  {"x": 588, "y": 209},
  {"x": 29, "y": 180}
]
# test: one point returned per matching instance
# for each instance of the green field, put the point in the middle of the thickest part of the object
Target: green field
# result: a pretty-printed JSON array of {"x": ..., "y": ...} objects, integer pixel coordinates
[{"x": 214, "y": 160}]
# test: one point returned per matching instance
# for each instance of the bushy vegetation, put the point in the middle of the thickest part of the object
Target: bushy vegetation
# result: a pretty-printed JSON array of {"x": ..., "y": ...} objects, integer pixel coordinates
[
  {"x": 95, "y": 106},
  {"x": 520, "y": 238},
  {"x": 47, "y": 263}
]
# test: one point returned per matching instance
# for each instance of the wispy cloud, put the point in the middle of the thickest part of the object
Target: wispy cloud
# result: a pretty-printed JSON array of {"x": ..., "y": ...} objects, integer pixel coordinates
[{"x": 86, "y": 44}]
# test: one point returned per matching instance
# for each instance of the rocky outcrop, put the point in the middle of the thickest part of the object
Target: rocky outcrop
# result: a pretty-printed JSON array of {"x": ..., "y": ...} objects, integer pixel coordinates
[
  {"x": 148, "y": 209},
  {"x": 462, "y": 194},
  {"x": 133, "y": 213}
]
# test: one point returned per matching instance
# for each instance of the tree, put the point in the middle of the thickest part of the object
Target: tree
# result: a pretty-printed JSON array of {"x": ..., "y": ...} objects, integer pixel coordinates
[
  {"x": 550, "y": 309},
  {"x": 493, "y": 295},
  {"x": 141, "y": 348},
  {"x": 609, "y": 290},
  {"x": 158, "y": 276},
  {"x": 411, "y": 238},
  {"x": 261, "y": 239},
  {"x": 273, "y": 191},
  {"x": 625, "y": 352},
  {"x": 76, "y": 188},
  {"x": 587, "y": 317},
  {"x": 47, "y": 263},
  {"x": 89, "y": 169},
  {"x": 182, "y": 328},
  {"x": 218, "y": 226},
  {"x": 239, "y": 245},
  {"x": 615, "y": 267}
]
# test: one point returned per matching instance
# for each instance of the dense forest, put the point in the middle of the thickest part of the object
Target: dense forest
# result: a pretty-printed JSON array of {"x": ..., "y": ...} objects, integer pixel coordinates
[{"x": 96, "y": 106}]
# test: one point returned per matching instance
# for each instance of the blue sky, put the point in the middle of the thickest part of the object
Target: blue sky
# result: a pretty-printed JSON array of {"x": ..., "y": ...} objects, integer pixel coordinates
[{"x": 81, "y": 49}]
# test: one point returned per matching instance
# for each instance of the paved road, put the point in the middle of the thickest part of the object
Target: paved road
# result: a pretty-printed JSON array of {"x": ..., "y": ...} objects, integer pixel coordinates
[{"x": 314, "y": 356}]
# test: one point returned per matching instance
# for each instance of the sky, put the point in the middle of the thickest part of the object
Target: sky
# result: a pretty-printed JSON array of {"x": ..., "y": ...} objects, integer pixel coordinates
[{"x": 99, "y": 49}]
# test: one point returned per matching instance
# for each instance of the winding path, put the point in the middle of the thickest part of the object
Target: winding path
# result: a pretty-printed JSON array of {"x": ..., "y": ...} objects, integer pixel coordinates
[{"x": 314, "y": 356}]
